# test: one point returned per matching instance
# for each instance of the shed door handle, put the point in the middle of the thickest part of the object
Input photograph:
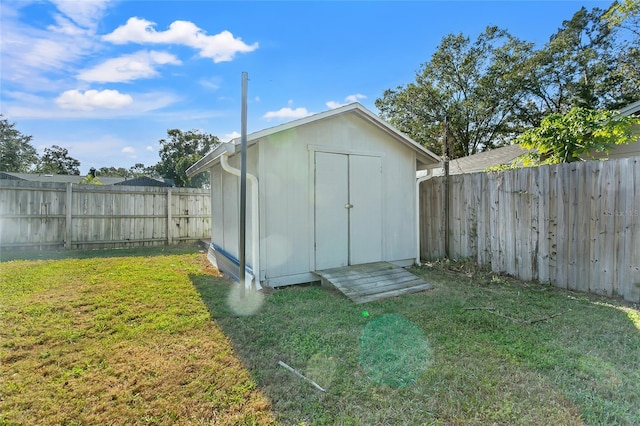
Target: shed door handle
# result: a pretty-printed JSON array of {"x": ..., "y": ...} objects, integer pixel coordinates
[{"x": 348, "y": 206}]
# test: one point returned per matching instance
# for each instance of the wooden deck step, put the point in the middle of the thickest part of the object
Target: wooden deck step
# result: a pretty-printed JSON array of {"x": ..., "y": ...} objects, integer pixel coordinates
[{"x": 372, "y": 281}]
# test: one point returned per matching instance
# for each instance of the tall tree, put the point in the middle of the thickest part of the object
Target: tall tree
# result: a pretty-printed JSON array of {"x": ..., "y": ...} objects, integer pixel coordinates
[
  {"x": 56, "y": 160},
  {"x": 587, "y": 63},
  {"x": 622, "y": 85},
  {"x": 180, "y": 151},
  {"x": 564, "y": 73},
  {"x": 16, "y": 152},
  {"x": 477, "y": 85}
]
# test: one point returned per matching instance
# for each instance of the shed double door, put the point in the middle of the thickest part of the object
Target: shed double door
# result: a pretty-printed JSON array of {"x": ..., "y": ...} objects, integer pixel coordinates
[{"x": 348, "y": 209}]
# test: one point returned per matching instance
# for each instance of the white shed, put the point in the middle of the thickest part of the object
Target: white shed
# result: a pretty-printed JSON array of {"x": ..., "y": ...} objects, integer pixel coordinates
[{"x": 333, "y": 189}]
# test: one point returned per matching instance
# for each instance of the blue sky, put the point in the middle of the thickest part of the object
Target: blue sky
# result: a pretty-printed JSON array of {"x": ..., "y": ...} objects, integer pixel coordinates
[{"x": 106, "y": 79}]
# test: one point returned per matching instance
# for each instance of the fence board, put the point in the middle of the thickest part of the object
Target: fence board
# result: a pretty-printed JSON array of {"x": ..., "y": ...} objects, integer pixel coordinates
[
  {"x": 54, "y": 215},
  {"x": 575, "y": 226}
]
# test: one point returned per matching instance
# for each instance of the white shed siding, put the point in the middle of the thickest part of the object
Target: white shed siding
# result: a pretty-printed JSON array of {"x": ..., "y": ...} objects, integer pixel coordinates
[
  {"x": 287, "y": 190},
  {"x": 217, "y": 223},
  {"x": 370, "y": 165},
  {"x": 285, "y": 200}
]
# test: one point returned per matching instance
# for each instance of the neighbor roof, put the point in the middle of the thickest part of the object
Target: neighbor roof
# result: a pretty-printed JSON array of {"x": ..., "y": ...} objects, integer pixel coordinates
[
  {"x": 424, "y": 156},
  {"x": 630, "y": 109},
  {"x": 104, "y": 180},
  {"x": 483, "y": 160}
]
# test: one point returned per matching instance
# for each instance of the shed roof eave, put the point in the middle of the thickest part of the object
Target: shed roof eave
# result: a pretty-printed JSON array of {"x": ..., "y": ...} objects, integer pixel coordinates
[
  {"x": 424, "y": 156},
  {"x": 210, "y": 159}
]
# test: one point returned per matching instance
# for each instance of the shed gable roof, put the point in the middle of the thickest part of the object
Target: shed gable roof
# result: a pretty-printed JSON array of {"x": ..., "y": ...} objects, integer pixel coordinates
[{"x": 424, "y": 156}]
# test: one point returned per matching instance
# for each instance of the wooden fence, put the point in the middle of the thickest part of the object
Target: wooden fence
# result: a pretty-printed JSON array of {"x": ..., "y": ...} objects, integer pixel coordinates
[
  {"x": 576, "y": 226},
  {"x": 56, "y": 215}
]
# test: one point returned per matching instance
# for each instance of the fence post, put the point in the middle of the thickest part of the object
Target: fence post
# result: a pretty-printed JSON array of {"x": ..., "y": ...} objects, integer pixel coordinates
[
  {"x": 169, "y": 218},
  {"x": 445, "y": 164},
  {"x": 68, "y": 228}
]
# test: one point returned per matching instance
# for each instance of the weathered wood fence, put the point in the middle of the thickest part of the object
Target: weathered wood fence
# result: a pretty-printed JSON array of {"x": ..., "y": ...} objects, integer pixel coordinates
[
  {"x": 576, "y": 226},
  {"x": 56, "y": 215}
]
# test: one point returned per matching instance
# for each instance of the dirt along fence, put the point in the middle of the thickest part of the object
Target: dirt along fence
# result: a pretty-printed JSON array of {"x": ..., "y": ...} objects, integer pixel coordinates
[
  {"x": 576, "y": 226},
  {"x": 47, "y": 215}
]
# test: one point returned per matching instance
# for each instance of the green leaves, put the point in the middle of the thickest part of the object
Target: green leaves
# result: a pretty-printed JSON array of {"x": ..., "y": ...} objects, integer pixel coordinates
[
  {"x": 564, "y": 138},
  {"x": 56, "y": 160},
  {"x": 180, "y": 151},
  {"x": 473, "y": 83},
  {"x": 16, "y": 152}
]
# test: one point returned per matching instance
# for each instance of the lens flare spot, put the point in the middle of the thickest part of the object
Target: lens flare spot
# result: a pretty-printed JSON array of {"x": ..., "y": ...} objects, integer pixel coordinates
[
  {"x": 393, "y": 351},
  {"x": 247, "y": 304}
]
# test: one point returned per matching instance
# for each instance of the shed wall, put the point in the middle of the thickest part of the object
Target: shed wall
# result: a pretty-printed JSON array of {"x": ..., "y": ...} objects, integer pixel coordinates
[
  {"x": 225, "y": 205},
  {"x": 287, "y": 186}
]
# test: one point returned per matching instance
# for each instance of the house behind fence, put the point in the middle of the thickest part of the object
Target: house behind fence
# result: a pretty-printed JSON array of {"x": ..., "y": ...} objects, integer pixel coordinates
[
  {"x": 39, "y": 215},
  {"x": 576, "y": 226}
]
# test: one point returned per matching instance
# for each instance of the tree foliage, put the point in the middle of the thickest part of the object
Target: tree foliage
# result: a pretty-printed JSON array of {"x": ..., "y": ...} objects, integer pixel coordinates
[
  {"x": 474, "y": 84},
  {"x": 179, "y": 151},
  {"x": 56, "y": 160},
  {"x": 580, "y": 133},
  {"x": 16, "y": 152},
  {"x": 112, "y": 171},
  {"x": 496, "y": 87}
]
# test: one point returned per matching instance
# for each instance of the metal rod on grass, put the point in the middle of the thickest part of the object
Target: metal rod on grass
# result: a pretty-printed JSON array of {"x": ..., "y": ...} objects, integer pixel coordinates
[{"x": 294, "y": 371}]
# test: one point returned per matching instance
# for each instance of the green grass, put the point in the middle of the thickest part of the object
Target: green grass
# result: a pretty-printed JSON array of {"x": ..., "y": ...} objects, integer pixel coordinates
[
  {"x": 157, "y": 337},
  {"x": 525, "y": 354},
  {"x": 117, "y": 340}
]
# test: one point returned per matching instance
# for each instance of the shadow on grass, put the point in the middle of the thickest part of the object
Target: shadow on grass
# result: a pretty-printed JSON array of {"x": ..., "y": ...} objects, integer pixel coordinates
[
  {"x": 9, "y": 255},
  {"x": 532, "y": 354}
]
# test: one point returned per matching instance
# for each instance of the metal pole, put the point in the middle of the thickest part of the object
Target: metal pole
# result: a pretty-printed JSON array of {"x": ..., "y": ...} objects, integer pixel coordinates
[
  {"x": 243, "y": 184},
  {"x": 445, "y": 159}
]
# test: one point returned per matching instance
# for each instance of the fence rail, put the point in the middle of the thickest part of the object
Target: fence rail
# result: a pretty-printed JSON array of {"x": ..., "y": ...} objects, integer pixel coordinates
[
  {"x": 576, "y": 226},
  {"x": 57, "y": 215}
]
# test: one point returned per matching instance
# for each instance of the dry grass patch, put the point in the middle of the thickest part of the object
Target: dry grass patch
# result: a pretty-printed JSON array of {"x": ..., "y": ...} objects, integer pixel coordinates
[{"x": 117, "y": 340}]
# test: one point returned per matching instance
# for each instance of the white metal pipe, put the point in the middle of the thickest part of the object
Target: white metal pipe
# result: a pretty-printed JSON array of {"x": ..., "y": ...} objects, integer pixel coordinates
[
  {"x": 419, "y": 180},
  {"x": 255, "y": 218}
]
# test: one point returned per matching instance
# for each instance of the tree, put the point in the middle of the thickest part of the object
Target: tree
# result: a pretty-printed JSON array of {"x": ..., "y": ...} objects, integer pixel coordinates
[
  {"x": 113, "y": 171},
  {"x": 139, "y": 169},
  {"x": 180, "y": 151},
  {"x": 622, "y": 85},
  {"x": 625, "y": 14},
  {"x": 581, "y": 132},
  {"x": 477, "y": 85},
  {"x": 16, "y": 152},
  {"x": 56, "y": 160},
  {"x": 567, "y": 70}
]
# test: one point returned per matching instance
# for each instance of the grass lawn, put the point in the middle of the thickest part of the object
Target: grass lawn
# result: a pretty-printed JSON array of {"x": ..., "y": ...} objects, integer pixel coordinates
[{"x": 159, "y": 338}]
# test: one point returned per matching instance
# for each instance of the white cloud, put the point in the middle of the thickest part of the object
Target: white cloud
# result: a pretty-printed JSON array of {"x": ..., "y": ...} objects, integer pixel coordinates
[
  {"x": 355, "y": 98},
  {"x": 150, "y": 148},
  {"x": 129, "y": 67},
  {"x": 287, "y": 112},
  {"x": 92, "y": 99},
  {"x": 145, "y": 103},
  {"x": 348, "y": 100},
  {"x": 128, "y": 150},
  {"x": 212, "y": 83},
  {"x": 221, "y": 47},
  {"x": 83, "y": 13},
  {"x": 230, "y": 136},
  {"x": 29, "y": 54}
]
